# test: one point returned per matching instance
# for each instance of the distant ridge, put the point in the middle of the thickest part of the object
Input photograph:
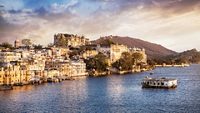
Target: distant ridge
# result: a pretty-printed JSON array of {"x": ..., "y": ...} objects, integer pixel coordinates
[
  {"x": 189, "y": 56},
  {"x": 153, "y": 50}
]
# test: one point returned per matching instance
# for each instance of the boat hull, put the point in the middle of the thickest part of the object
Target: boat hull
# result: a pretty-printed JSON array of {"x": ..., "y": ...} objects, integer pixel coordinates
[{"x": 162, "y": 87}]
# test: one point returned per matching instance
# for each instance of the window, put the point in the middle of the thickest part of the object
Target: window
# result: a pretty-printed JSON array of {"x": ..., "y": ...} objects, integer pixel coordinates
[{"x": 162, "y": 83}]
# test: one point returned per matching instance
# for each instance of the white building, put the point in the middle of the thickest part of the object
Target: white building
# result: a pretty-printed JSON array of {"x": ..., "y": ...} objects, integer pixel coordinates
[
  {"x": 116, "y": 51},
  {"x": 67, "y": 67},
  {"x": 142, "y": 52},
  {"x": 78, "y": 68},
  {"x": 103, "y": 49},
  {"x": 9, "y": 56}
]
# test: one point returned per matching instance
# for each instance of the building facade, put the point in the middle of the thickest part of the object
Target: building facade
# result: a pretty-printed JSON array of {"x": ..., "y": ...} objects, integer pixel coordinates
[
  {"x": 140, "y": 51},
  {"x": 9, "y": 56},
  {"x": 116, "y": 51},
  {"x": 68, "y": 67},
  {"x": 69, "y": 40},
  {"x": 89, "y": 53},
  {"x": 13, "y": 75}
]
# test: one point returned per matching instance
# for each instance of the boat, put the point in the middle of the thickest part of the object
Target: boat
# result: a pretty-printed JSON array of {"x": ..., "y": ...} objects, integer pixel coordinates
[
  {"x": 159, "y": 82},
  {"x": 18, "y": 84},
  {"x": 6, "y": 87},
  {"x": 54, "y": 79},
  {"x": 151, "y": 73},
  {"x": 35, "y": 80}
]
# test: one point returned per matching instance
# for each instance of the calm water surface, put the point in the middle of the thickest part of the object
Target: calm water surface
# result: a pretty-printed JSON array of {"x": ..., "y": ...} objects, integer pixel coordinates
[{"x": 116, "y": 94}]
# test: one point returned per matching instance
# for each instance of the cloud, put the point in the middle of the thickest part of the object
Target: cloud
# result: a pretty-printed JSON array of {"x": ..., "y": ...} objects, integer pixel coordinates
[
  {"x": 60, "y": 8},
  {"x": 157, "y": 21},
  {"x": 6, "y": 30},
  {"x": 1, "y": 6},
  {"x": 168, "y": 7},
  {"x": 174, "y": 7},
  {"x": 41, "y": 11}
]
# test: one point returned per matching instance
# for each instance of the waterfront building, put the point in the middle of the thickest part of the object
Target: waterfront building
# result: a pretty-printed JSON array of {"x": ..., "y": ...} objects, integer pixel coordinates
[
  {"x": 89, "y": 53},
  {"x": 67, "y": 67},
  {"x": 69, "y": 40},
  {"x": 36, "y": 66},
  {"x": 104, "y": 49},
  {"x": 116, "y": 51},
  {"x": 24, "y": 64},
  {"x": 62, "y": 66},
  {"x": 13, "y": 74},
  {"x": 25, "y": 54},
  {"x": 9, "y": 56},
  {"x": 53, "y": 73},
  {"x": 78, "y": 68},
  {"x": 23, "y": 70},
  {"x": 140, "y": 51}
]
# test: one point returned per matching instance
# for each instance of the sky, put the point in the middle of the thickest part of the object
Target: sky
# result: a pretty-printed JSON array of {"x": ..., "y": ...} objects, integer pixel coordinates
[{"x": 174, "y": 24}]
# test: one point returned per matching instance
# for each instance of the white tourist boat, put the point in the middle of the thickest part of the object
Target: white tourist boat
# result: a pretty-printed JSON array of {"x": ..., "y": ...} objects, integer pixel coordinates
[{"x": 159, "y": 82}]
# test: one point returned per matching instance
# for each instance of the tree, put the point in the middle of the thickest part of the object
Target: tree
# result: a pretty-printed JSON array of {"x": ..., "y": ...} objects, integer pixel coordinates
[
  {"x": 151, "y": 62},
  {"x": 98, "y": 63},
  {"x": 74, "y": 53},
  {"x": 124, "y": 63},
  {"x": 38, "y": 46},
  {"x": 27, "y": 42},
  {"x": 6, "y": 45},
  {"x": 107, "y": 42},
  {"x": 127, "y": 61},
  {"x": 137, "y": 57},
  {"x": 126, "y": 55},
  {"x": 101, "y": 62}
]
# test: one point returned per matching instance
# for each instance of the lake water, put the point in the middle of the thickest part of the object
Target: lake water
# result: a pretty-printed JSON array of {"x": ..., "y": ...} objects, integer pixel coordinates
[{"x": 115, "y": 93}]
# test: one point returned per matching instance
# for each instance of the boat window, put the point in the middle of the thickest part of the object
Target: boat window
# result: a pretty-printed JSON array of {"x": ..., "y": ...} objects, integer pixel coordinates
[{"x": 162, "y": 83}]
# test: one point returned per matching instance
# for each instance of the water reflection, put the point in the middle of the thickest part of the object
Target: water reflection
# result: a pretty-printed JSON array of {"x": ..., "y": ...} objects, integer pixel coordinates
[
  {"x": 114, "y": 93},
  {"x": 115, "y": 88}
]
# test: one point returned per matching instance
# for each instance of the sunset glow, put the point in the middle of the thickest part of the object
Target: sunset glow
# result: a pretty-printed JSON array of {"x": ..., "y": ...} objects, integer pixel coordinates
[{"x": 172, "y": 23}]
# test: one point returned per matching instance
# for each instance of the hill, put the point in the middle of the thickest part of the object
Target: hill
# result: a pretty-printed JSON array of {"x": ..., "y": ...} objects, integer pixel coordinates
[
  {"x": 153, "y": 50},
  {"x": 189, "y": 56}
]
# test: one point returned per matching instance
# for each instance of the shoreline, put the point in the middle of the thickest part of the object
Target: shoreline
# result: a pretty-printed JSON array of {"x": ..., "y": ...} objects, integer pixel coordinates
[
  {"x": 101, "y": 74},
  {"x": 173, "y": 65}
]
